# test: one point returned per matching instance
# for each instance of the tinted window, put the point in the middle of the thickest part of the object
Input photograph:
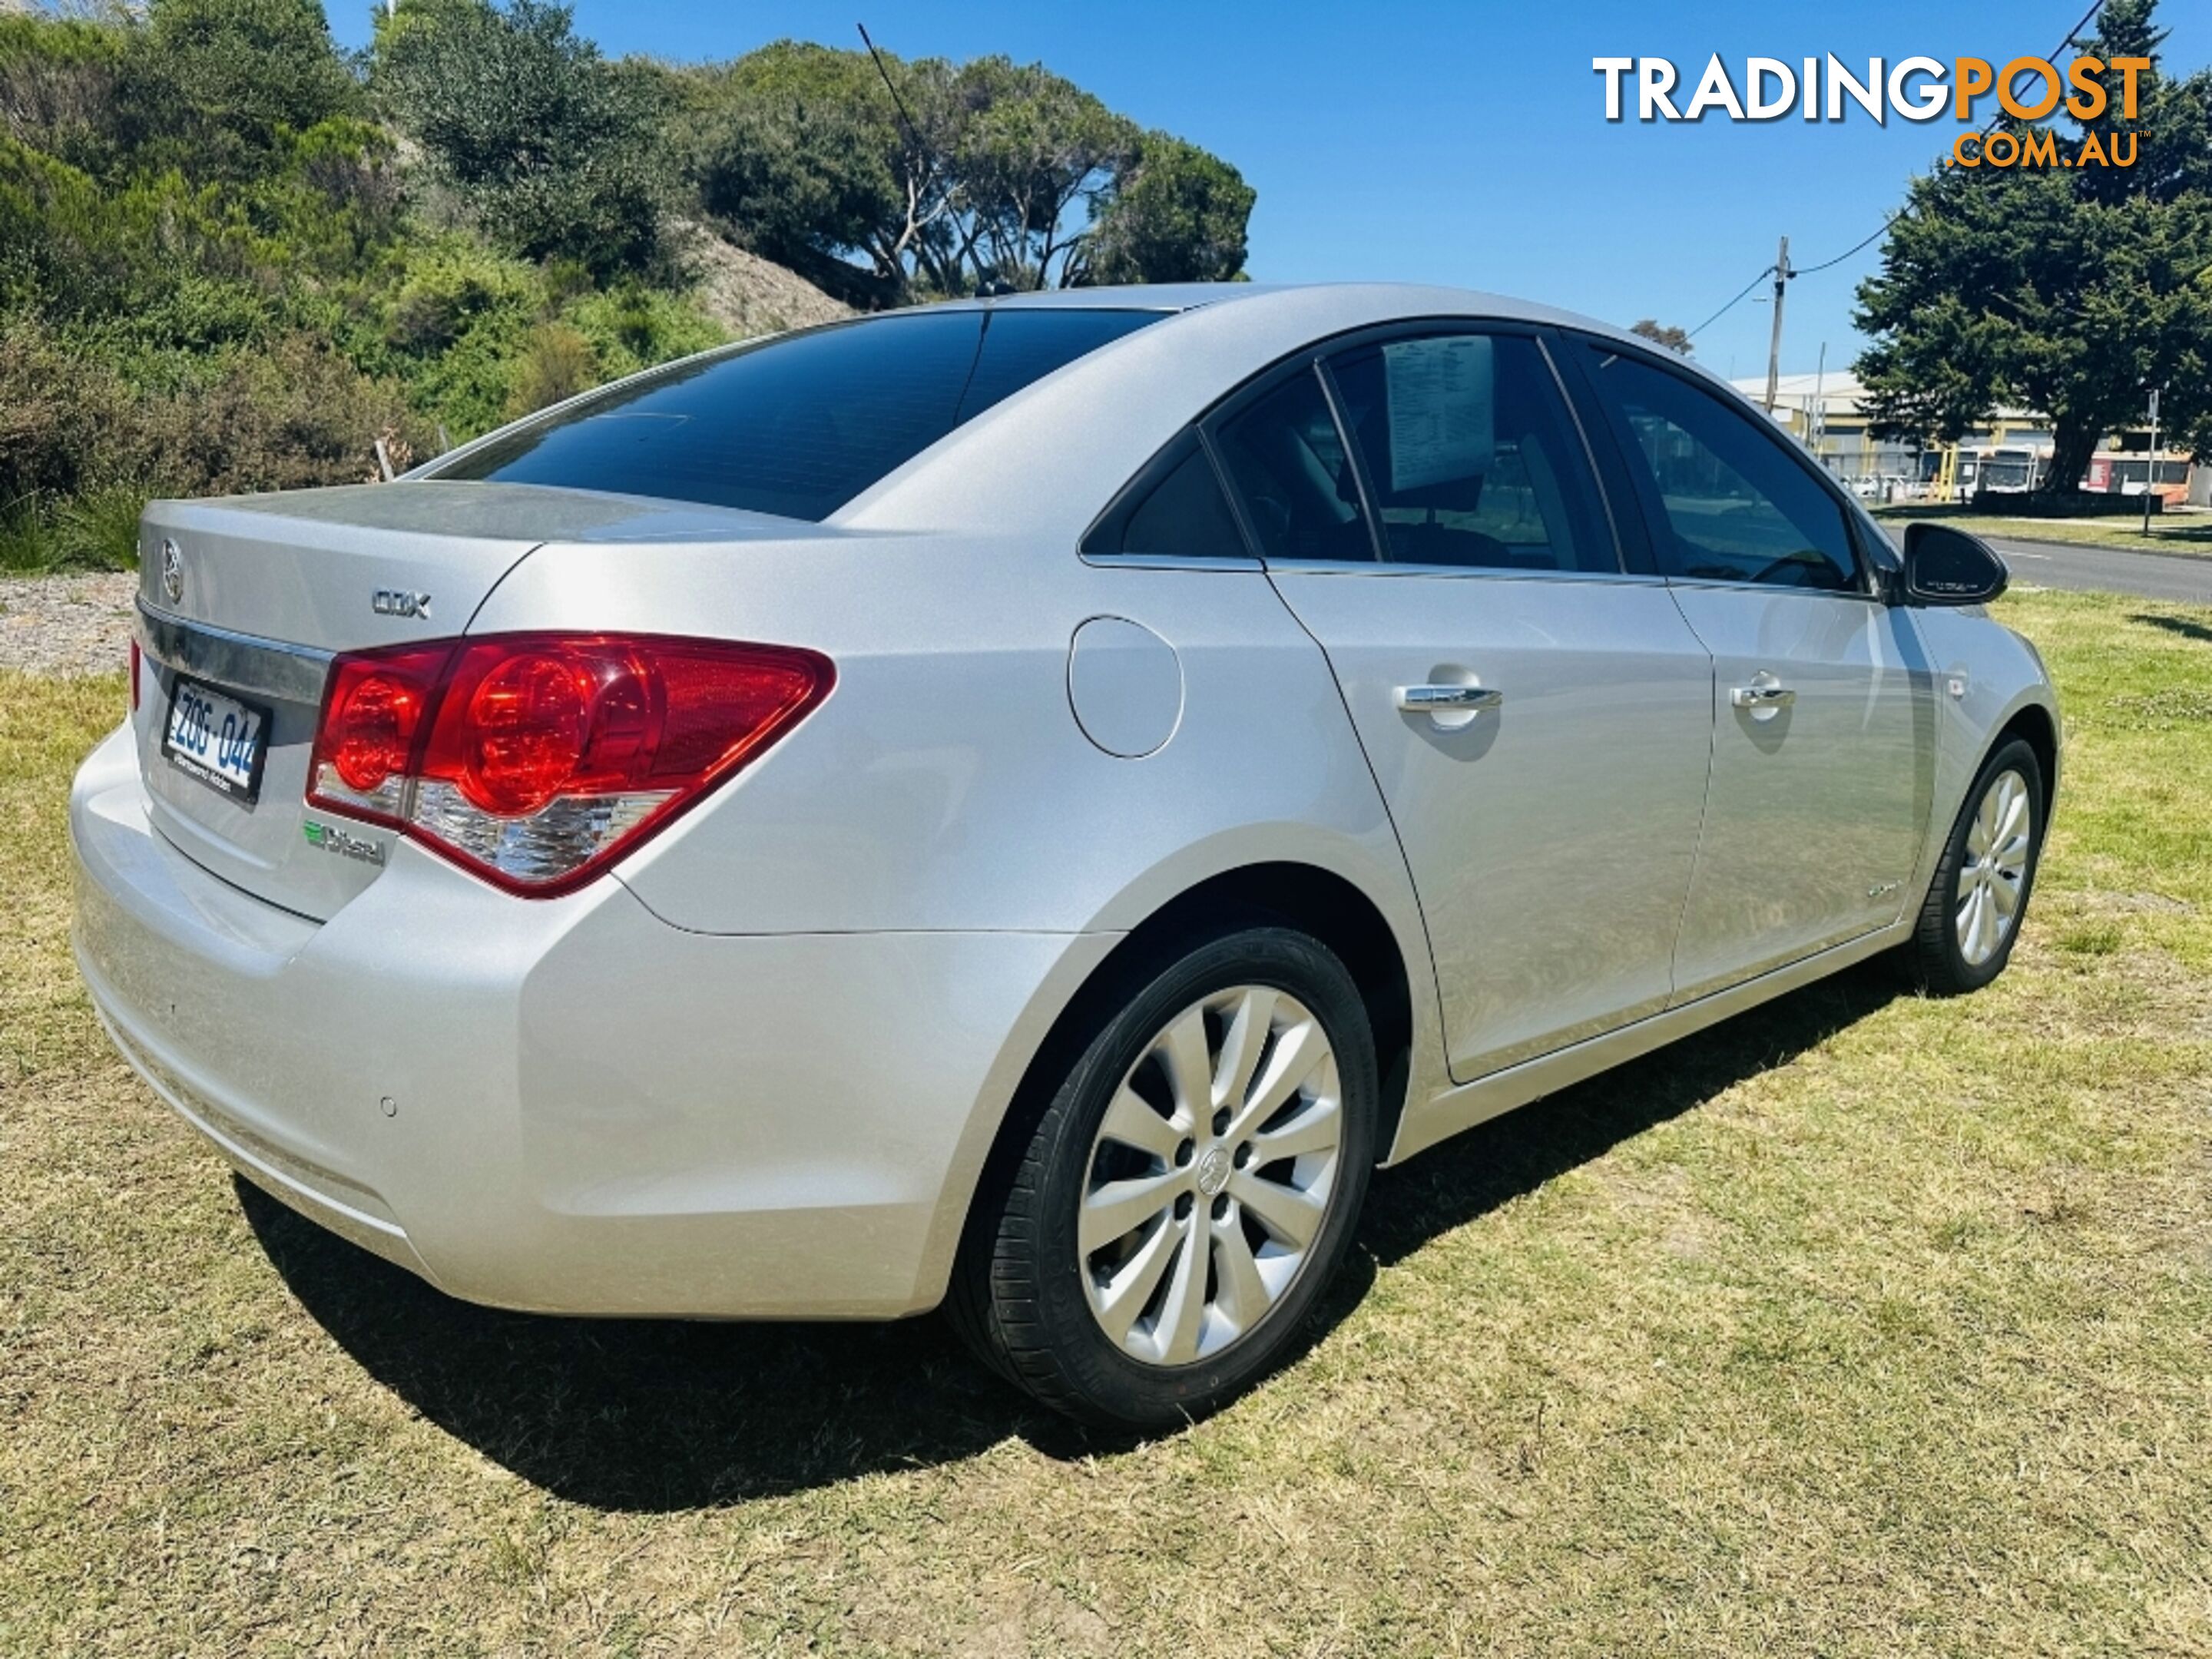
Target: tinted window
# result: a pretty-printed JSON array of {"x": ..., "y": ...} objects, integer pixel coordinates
[
  {"x": 1285, "y": 458},
  {"x": 1184, "y": 515},
  {"x": 1734, "y": 505},
  {"x": 800, "y": 425},
  {"x": 1471, "y": 456}
]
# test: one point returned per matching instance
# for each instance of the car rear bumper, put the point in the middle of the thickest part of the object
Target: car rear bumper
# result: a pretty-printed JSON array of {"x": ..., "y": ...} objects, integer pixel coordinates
[{"x": 569, "y": 1105}]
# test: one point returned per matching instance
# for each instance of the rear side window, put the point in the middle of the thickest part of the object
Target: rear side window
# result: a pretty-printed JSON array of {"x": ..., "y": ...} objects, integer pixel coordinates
[
  {"x": 1287, "y": 462},
  {"x": 1731, "y": 503},
  {"x": 1472, "y": 459},
  {"x": 1181, "y": 514},
  {"x": 800, "y": 425}
]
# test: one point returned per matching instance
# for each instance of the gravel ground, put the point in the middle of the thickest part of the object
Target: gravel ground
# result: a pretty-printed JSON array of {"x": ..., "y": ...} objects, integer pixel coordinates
[{"x": 66, "y": 625}]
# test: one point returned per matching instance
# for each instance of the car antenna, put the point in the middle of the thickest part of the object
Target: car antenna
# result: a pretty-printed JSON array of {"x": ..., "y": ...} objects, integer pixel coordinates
[{"x": 913, "y": 132}]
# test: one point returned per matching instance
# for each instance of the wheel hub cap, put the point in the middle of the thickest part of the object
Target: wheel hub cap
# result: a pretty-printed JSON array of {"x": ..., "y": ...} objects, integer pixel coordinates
[
  {"x": 1213, "y": 1171},
  {"x": 1210, "y": 1175}
]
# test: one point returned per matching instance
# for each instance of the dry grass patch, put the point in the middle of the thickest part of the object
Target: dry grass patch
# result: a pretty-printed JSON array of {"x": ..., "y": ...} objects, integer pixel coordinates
[{"x": 1863, "y": 1324}]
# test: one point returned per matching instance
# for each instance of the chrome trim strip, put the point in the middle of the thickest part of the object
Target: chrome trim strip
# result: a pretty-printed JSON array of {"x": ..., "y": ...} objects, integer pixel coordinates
[
  {"x": 1490, "y": 573},
  {"x": 1859, "y": 593},
  {"x": 291, "y": 673},
  {"x": 1170, "y": 562}
]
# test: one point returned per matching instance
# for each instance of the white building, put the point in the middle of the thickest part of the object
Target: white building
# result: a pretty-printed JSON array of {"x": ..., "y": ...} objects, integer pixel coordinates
[{"x": 1823, "y": 411}]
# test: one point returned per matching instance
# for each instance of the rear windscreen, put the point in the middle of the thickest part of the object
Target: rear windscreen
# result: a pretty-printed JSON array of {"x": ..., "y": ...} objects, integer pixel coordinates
[{"x": 800, "y": 425}]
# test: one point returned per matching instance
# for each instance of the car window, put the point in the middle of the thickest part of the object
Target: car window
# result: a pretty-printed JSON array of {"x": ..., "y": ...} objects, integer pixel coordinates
[
  {"x": 802, "y": 424},
  {"x": 1184, "y": 515},
  {"x": 1472, "y": 458},
  {"x": 1285, "y": 461},
  {"x": 1731, "y": 503}
]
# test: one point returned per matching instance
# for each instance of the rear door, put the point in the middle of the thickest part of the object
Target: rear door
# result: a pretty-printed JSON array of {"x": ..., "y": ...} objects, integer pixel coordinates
[
  {"x": 1823, "y": 743},
  {"x": 1538, "y": 717}
]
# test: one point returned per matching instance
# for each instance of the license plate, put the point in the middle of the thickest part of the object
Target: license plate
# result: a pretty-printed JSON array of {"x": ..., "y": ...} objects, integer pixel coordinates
[{"x": 217, "y": 739}]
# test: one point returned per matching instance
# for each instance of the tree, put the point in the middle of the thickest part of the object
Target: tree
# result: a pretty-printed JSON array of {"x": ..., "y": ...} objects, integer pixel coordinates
[
  {"x": 216, "y": 84},
  {"x": 800, "y": 149},
  {"x": 551, "y": 148},
  {"x": 1665, "y": 334},
  {"x": 2070, "y": 290},
  {"x": 1177, "y": 215},
  {"x": 1027, "y": 149},
  {"x": 883, "y": 178}
]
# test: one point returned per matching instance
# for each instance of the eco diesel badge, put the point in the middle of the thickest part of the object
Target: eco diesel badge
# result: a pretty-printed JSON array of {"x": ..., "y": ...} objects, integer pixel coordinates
[
  {"x": 334, "y": 840},
  {"x": 397, "y": 602}
]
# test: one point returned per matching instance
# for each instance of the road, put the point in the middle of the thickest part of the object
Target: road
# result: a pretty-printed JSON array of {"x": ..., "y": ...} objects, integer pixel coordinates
[{"x": 2109, "y": 570}]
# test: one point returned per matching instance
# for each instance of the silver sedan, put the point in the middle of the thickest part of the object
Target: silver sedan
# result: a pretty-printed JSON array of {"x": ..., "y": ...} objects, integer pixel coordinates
[{"x": 1023, "y": 804}]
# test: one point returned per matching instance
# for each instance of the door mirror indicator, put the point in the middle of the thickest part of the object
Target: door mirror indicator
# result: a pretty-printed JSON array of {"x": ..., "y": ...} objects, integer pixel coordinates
[{"x": 1944, "y": 566}]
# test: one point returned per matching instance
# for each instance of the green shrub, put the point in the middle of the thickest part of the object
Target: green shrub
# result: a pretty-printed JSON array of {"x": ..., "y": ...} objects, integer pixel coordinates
[
  {"x": 292, "y": 415},
  {"x": 25, "y": 542},
  {"x": 634, "y": 328},
  {"x": 452, "y": 328},
  {"x": 557, "y": 362},
  {"x": 99, "y": 530},
  {"x": 96, "y": 530},
  {"x": 59, "y": 412},
  {"x": 57, "y": 85},
  {"x": 553, "y": 150},
  {"x": 217, "y": 85},
  {"x": 453, "y": 286}
]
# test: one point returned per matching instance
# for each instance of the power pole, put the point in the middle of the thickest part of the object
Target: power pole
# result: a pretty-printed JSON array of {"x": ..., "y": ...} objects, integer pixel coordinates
[
  {"x": 1782, "y": 274},
  {"x": 2150, "y": 467},
  {"x": 1816, "y": 421}
]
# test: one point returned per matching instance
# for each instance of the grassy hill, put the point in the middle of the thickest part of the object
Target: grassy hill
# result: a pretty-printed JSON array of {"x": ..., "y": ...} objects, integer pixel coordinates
[
  {"x": 220, "y": 269},
  {"x": 233, "y": 257}
]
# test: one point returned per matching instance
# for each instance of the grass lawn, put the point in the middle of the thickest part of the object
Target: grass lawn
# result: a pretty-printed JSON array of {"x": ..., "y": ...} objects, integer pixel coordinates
[
  {"x": 1862, "y": 1324},
  {"x": 2187, "y": 533}
]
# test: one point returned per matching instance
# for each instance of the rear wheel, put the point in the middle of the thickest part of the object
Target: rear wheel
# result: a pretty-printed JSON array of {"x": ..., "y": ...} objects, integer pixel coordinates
[
  {"x": 1188, "y": 1191},
  {"x": 1974, "y": 907}
]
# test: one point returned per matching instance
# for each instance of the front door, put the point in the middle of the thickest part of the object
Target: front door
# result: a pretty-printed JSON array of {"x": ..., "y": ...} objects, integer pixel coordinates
[
  {"x": 1824, "y": 731},
  {"x": 1539, "y": 721}
]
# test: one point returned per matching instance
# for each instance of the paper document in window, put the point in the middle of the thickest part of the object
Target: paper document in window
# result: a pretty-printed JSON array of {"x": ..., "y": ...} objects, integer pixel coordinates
[{"x": 1439, "y": 396}]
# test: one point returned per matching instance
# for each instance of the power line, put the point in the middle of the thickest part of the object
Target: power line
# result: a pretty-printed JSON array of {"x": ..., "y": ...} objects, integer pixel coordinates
[
  {"x": 2095, "y": 6},
  {"x": 1732, "y": 304},
  {"x": 1807, "y": 271},
  {"x": 2086, "y": 19}
]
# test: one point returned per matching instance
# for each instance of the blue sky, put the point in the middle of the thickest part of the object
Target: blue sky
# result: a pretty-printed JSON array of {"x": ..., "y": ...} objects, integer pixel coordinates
[{"x": 1465, "y": 144}]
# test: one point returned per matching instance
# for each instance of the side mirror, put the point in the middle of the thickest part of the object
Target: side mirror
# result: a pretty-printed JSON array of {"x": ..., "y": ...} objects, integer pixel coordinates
[{"x": 1943, "y": 565}]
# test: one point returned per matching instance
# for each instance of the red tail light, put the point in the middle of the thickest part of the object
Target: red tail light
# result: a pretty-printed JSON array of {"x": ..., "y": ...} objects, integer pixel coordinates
[
  {"x": 135, "y": 657},
  {"x": 538, "y": 759}
]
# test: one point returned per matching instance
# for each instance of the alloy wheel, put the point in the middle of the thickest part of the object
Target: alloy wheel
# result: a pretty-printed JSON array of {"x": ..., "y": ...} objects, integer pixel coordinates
[
  {"x": 1209, "y": 1177},
  {"x": 1993, "y": 876}
]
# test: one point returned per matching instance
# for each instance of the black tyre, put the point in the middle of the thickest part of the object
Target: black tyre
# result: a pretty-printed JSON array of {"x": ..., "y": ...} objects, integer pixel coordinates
[
  {"x": 1155, "y": 1245},
  {"x": 1979, "y": 898}
]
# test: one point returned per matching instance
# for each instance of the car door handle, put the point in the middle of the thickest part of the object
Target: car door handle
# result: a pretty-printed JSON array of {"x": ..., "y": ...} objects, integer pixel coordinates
[
  {"x": 1762, "y": 696},
  {"x": 1447, "y": 699}
]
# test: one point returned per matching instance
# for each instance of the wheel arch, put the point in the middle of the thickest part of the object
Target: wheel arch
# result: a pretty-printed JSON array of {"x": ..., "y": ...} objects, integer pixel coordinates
[
  {"x": 1324, "y": 902},
  {"x": 2038, "y": 727}
]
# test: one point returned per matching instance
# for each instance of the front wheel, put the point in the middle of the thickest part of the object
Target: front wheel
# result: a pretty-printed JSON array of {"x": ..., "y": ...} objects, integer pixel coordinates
[
  {"x": 1971, "y": 915},
  {"x": 1188, "y": 1191}
]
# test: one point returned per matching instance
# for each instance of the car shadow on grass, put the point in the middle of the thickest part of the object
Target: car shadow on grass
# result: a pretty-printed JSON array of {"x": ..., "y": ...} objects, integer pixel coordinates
[{"x": 656, "y": 1415}]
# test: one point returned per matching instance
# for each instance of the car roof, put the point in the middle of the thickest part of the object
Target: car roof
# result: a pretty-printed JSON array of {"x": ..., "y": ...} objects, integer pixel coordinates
[
  {"x": 1042, "y": 464},
  {"x": 1417, "y": 299}
]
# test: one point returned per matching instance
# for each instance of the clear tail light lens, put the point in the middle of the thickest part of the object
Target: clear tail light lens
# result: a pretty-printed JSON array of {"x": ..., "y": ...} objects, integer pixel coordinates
[{"x": 537, "y": 759}]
